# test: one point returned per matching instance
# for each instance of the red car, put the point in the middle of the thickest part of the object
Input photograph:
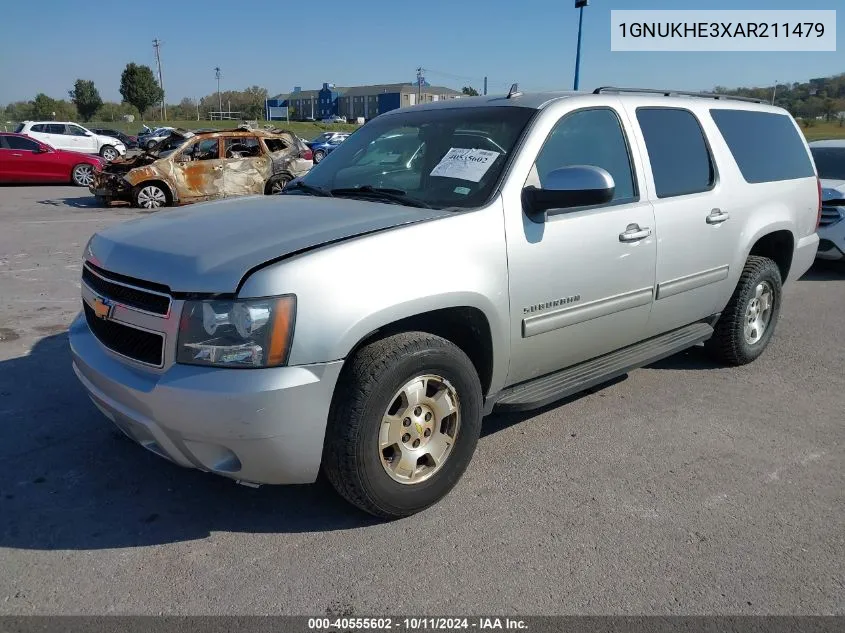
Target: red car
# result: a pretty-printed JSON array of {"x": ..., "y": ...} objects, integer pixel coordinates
[{"x": 23, "y": 159}]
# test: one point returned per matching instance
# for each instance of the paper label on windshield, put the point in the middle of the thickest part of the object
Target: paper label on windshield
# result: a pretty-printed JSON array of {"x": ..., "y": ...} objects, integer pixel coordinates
[{"x": 465, "y": 164}]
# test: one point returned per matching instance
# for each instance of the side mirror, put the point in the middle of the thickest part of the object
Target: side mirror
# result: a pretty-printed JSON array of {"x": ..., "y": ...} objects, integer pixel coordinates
[
  {"x": 569, "y": 187},
  {"x": 41, "y": 150}
]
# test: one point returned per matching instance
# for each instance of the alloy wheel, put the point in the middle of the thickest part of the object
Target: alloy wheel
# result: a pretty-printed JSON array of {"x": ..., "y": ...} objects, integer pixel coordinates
[
  {"x": 758, "y": 313},
  {"x": 419, "y": 429},
  {"x": 151, "y": 197},
  {"x": 83, "y": 175}
]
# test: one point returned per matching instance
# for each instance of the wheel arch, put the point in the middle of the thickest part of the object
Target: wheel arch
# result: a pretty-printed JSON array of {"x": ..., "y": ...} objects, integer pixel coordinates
[
  {"x": 168, "y": 190},
  {"x": 467, "y": 327}
]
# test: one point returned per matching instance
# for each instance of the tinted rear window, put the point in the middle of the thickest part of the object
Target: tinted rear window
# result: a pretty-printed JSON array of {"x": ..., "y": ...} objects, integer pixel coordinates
[
  {"x": 680, "y": 160},
  {"x": 765, "y": 145}
]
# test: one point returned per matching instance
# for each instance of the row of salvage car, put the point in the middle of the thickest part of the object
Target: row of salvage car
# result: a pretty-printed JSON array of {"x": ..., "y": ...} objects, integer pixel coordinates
[{"x": 187, "y": 167}]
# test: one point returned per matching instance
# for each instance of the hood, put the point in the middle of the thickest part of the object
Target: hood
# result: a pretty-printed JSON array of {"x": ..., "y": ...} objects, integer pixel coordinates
[
  {"x": 71, "y": 156},
  {"x": 209, "y": 247},
  {"x": 832, "y": 189},
  {"x": 108, "y": 140}
]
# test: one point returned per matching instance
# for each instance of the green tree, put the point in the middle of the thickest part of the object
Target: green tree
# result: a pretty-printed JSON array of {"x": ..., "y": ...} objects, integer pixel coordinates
[
  {"x": 469, "y": 91},
  {"x": 19, "y": 111},
  {"x": 86, "y": 97},
  {"x": 139, "y": 87},
  {"x": 111, "y": 111}
]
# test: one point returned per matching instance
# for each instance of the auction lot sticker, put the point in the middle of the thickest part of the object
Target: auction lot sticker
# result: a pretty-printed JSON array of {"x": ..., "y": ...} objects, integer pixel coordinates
[
  {"x": 729, "y": 30},
  {"x": 465, "y": 164}
]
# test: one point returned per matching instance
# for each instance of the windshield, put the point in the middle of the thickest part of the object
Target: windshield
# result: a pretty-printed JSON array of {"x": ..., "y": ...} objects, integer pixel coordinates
[
  {"x": 830, "y": 161},
  {"x": 170, "y": 144},
  {"x": 442, "y": 158}
]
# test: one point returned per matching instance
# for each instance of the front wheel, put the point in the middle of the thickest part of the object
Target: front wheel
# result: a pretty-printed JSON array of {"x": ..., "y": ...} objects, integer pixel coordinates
[
  {"x": 746, "y": 325},
  {"x": 318, "y": 156},
  {"x": 404, "y": 424},
  {"x": 82, "y": 175},
  {"x": 150, "y": 196},
  {"x": 109, "y": 153}
]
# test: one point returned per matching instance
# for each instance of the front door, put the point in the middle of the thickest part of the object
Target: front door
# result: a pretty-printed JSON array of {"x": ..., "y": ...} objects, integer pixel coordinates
[
  {"x": 81, "y": 140},
  {"x": 57, "y": 136},
  {"x": 696, "y": 236},
  {"x": 198, "y": 171},
  {"x": 581, "y": 282},
  {"x": 246, "y": 166}
]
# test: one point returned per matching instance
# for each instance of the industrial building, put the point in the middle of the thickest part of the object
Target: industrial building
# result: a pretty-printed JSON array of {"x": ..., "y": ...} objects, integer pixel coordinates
[{"x": 357, "y": 101}]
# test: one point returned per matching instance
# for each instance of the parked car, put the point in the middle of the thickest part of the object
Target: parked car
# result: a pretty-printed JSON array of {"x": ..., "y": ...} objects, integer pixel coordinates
[
  {"x": 150, "y": 140},
  {"x": 72, "y": 137},
  {"x": 326, "y": 143},
  {"x": 829, "y": 157},
  {"x": 366, "y": 330},
  {"x": 131, "y": 142},
  {"x": 24, "y": 159},
  {"x": 334, "y": 119},
  {"x": 187, "y": 167}
]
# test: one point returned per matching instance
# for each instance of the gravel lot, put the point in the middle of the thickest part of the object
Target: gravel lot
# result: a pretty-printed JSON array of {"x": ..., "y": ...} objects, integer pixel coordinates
[{"x": 685, "y": 488}]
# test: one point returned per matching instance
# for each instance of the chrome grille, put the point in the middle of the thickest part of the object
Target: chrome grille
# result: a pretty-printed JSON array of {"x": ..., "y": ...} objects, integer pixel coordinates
[
  {"x": 140, "y": 345},
  {"x": 118, "y": 289}
]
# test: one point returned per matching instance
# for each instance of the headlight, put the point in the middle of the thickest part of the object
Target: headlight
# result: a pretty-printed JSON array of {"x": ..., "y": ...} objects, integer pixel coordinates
[{"x": 238, "y": 333}]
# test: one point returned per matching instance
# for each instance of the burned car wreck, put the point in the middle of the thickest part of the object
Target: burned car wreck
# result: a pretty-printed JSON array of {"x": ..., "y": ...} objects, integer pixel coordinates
[{"x": 188, "y": 167}]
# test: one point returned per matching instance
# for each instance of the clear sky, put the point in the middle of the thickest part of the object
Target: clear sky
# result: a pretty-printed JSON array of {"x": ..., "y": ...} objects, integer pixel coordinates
[{"x": 47, "y": 45}]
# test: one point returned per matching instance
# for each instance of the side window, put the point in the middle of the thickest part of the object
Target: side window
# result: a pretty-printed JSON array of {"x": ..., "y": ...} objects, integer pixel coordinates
[
  {"x": 55, "y": 128},
  {"x": 680, "y": 160},
  {"x": 765, "y": 145},
  {"x": 242, "y": 147},
  {"x": 275, "y": 144},
  {"x": 38, "y": 127},
  {"x": 17, "y": 142},
  {"x": 206, "y": 149},
  {"x": 75, "y": 130},
  {"x": 590, "y": 137}
]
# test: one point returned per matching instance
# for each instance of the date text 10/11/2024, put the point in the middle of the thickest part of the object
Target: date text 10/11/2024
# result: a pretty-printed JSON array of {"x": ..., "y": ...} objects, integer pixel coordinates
[{"x": 415, "y": 624}]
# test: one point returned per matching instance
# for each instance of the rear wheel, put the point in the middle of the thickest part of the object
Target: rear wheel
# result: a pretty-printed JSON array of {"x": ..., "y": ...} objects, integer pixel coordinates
[
  {"x": 748, "y": 322},
  {"x": 150, "y": 196},
  {"x": 109, "y": 153},
  {"x": 276, "y": 184},
  {"x": 404, "y": 424},
  {"x": 318, "y": 156},
  {"x": 82, "y": 175}
]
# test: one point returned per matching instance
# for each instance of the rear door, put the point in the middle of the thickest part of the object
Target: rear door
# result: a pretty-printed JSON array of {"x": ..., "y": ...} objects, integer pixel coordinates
[
  {"x": 246, "y": 166},
  {"x": 39, "y": 131},
  {"x": 57, "y": 136},
  {"x": 696, "y": 230}
]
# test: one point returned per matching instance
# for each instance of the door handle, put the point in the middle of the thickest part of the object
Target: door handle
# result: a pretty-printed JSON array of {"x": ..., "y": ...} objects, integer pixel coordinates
[
  {"x": 634, "y": 233},
  {"x": 17, "y": 154},
  {"x": 717, "y": 216}
]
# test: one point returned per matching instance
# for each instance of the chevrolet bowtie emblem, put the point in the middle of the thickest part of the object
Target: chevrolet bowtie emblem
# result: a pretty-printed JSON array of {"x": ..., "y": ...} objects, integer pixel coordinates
[
  {"x": 419, "y": 428},
  {"x": 102, "y": 308}
]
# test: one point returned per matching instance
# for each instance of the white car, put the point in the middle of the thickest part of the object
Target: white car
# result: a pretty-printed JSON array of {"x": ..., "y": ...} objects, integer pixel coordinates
[
  {"x": 829, "y": 157},
  {"x": 334, "y": 119},
  {"x": 73, "y": 137}
]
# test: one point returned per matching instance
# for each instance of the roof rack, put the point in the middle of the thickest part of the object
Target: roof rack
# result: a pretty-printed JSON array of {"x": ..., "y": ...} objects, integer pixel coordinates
[{"x": 680, "y": 93}]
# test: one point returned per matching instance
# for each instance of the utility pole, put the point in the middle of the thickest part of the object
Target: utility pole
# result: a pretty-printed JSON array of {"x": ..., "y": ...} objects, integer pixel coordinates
[
  {"x": 219, "y": 98},
  {"x": 485, "y": 85},
  {"x": 157, "y": 46},
  {"x": 419, "y": 84},
  {"x": 774, "y": 91},
  {"x": 579, "y": 4}
]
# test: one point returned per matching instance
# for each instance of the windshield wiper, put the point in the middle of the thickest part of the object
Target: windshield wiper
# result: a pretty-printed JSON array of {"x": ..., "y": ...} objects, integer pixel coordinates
[
  {"x": 310, "y": 189},
  {"x": 395, "y": 195}
]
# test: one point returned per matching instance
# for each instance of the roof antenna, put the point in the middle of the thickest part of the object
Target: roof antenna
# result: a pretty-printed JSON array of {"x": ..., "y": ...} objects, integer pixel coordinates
[{"x": 514, "y": 91}]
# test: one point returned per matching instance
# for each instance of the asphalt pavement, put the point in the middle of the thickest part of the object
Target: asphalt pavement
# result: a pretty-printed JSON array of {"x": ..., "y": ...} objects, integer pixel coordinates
[{"x": 685, "y": 488}]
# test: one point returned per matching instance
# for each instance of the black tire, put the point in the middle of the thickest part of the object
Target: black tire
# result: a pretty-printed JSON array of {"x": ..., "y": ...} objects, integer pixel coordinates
[
  {"x": 729, "y": 344},
  {"x": 352, "y": 461},
  {"x": 150, "y": 144},
  {"x": 318, "y": 156},
  {"x": 276, "y": 184},
  {"x": 109, "y": 150}
]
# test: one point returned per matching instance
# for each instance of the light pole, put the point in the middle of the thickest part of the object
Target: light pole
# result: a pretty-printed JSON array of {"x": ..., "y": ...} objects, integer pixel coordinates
[
  {"x": 579, "y": 4},
  {"x": 219, "y": 98},
  {"x": 774, "y": 91}
]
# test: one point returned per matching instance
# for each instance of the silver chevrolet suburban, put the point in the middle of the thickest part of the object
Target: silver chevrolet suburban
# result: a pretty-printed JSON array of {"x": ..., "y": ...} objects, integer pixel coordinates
[{"x": 446, "y": 261}]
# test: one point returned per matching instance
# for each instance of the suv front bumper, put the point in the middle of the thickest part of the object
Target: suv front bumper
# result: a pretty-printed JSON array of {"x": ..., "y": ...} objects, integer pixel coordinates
[{"x": 262, "y": 426}]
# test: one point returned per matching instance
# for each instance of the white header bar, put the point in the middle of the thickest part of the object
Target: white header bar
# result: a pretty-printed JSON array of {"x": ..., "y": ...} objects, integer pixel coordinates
[{"x": 737, "y": 31}]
